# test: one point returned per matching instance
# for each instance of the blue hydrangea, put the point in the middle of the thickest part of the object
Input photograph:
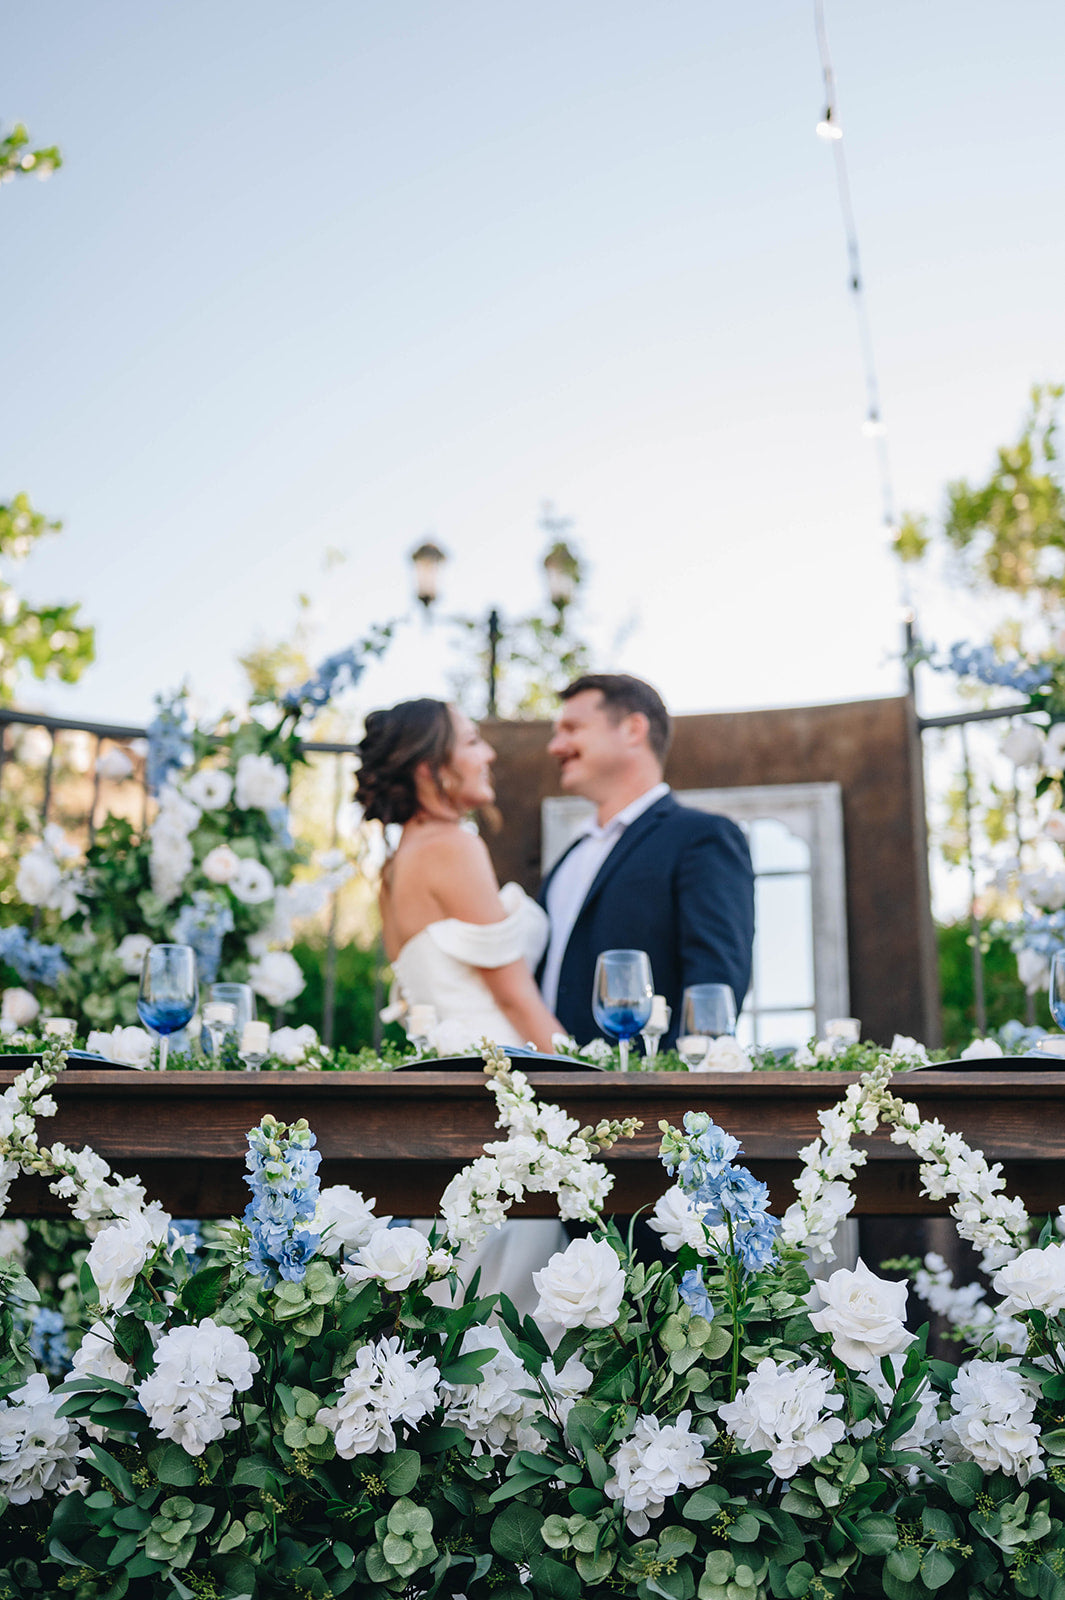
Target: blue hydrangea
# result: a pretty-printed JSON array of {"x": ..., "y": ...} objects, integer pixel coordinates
[
  {"x": 283, "y": 1178},
  {"x": 203, "y": 924},
  {"x": 169, "y": 742},
  {"x": 33, "y": 961},
  {"x": 48, "y": 1341},
  {"x": 694, "y": 1293}
]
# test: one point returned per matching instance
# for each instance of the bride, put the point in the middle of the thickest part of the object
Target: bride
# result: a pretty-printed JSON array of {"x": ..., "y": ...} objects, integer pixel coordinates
[{"x": 456, "y": 941}]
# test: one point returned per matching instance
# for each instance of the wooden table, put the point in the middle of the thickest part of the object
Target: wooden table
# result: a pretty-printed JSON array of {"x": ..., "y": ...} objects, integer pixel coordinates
[{"x": 399, "y": 1136}]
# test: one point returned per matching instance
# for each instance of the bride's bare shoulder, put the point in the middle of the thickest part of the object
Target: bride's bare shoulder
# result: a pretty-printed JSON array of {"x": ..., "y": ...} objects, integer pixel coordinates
[{"x": 440, "y": 847}]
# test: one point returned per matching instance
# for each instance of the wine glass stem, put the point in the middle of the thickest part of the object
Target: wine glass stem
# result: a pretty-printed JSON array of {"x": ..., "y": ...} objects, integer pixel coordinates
[
  {"x": 623, "y": 1052},
  {"x": 164, "y": 1045}
]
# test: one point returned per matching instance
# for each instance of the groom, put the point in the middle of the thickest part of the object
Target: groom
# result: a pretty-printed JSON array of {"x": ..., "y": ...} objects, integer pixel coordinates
[{"x": 648, "y": 874}]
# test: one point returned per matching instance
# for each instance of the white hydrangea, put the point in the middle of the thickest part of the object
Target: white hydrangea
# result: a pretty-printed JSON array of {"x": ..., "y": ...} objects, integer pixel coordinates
[
  {"x": 189, "y": 1395},
  {"x": 121, "y": 1250},
  {"x": 293, "y": 1045},
  {"x": 277, "y": 977},
  {"x": 96, "y": 1356},
  {"x": 386, "y": 1385},
  {"x": 653, "y": 1464},
  {"x": 261, "y": 783},
  {"x": 786, "y": 1410},
  {"x": 39, "y": 876},
  {"x": 344, "y": 1220},
  {"x": 925, "y": 1428},
  {"x": 131, "y": 1047},
  {"x": 992, "y": 1420},
  {"x": 38, "y": 1449},
  {"x": 493, "y": 1412}
]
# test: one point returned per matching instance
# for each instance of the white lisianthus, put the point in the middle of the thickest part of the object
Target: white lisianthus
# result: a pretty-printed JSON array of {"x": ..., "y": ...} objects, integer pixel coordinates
[
  {"x": 253, "y": 883},
  {"x": 122, "y": 1250},
  {"x": 131, "y": 953},
  {"x": 189, "y": 1395},
  {"x": 1023, "y": 745},
  {"x": 221, "y": 864},
  {"x": 581, "y": 1286},
  {"x": 261, "y": 783},
  {"x": 992, "y": 1420},
  {"x": 277, "y": 977},
  {"x": 386, "y": 1385},
  {"x": 19, "y": 1008},
  {"x": 981, "y": 1049},
  {"x": 787, "y": 1411},
  {"x": 39, "y": 876},
  {"x": 1033, "y": 1281},
  {"x": 395, "y": 1257},
  {"x": 493, "y": 1412},
  {"x": 209, "y": 789},
  {"x": 652, "y": 1465},
  {"x": 113, "y": 764},
  {"x": 38, "y": 1448},
  {"x": 292, "y": 1045},
  {"x": 132, "y": 1047},
  {"x": 344, "y": 1220},
  {"x": 863, "y": 1314}
]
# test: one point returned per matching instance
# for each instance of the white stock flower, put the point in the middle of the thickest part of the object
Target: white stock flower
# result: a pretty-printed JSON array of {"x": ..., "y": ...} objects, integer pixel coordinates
[
  {"x": 652, "y": 1465},
  {"x": 261, "y": 783},
  {"x": 679, "y": 1220},
  {"x": 19, "y": 1007},
  {"x": 386, "y": 1385},
  {"x": 197, "y": 1371},
  {"x": 492, "y": 1412},
  {"x": 395, "y": 1257},
  {"x": 170, "y": 862},
  {"x": 209, "y": 789},
  {"x": 1023, "y": 745},
  {"x": 122, "y": 1249},
  {"x": 253, "y": 883},
  {"x": 39, "y": 876},
  {"x": 725, "y": 1055},
  {"x": 292, "y": 1045},
  {"x": 277, "y": 977},
  {"x": 38, "y": 1449},
  {"x": 1033, "y": 1281},
  {"x": 596, "y": 1050},
  {"x": 132, "y": 1047},
  {"x": 114, "y": 765},
  {"x": 581, "y": 1286},
  {"x": 221, "y": 864},
  {"x": 344, "y": 1220},
  {"x": 1033, "y": 970},
  {"x": 863, "y": 1315},
  {"x": 981, "y": 1049},
  {"x": 96, "y": 1356},
  {"x": 787, "y": 1411},
  {"x": 992, "y": 1420},
  {"x": 131, "y": 953}
]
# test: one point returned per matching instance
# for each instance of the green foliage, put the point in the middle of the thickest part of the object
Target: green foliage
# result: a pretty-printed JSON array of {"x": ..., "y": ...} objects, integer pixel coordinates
[
  {"x": 17, "y": 160},
  {"x": 48, "y": 640},
  {"x": 354, "y": 994},
  {"x": 1004, "y": 994}
]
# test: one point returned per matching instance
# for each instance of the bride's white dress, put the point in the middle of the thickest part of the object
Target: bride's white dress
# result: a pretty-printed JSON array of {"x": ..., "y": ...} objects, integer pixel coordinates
[{"x": 438, "y": 968}]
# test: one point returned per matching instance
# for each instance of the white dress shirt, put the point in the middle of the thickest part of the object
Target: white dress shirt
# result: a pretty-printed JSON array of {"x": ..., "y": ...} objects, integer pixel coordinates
[{"x": 578, "y": 871}]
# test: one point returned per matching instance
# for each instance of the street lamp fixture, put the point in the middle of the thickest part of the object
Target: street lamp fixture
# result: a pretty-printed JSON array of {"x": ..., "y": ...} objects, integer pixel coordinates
[
  {"x": 427, "y": 559},
  {"x": 563, "y": 574}
]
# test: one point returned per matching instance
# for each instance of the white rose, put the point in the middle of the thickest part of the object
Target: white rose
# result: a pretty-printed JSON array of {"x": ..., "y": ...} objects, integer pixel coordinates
[
  {"x": 581, "y": 1286},
  {"x": 114, "y": 764},
  {"x": 292, "y": 1045},
  {"x": 344, "y": 1220},
  {"x": 132, "y": 1047},
  {"x": 1033, "y": 1281},
  {"x": 981, "y": 1049},
  {"x": 906, "y": 1049},
  {"x": 19, "y": 1007},
  {"x": 277, "y": 977},
  {"x": 863, "y": 1314},
  {"x": 725, "y": 1055},
  {"x": 209, "y": 790},
  {"x": 1023, "y": 745},
  {"x": 394, "y": 1256},
  {"x": 1033, "y": 970},
  {"x": 261, "y": 783},
  {"x": 131, "y": 953},
  {"x": 38, "y": 877},
  {"x": 221, "y": 864},
  {"x": 1054, "y": 827},
  {"x": 120, "y": 1251},
  {"x": 253, "y": 883}
]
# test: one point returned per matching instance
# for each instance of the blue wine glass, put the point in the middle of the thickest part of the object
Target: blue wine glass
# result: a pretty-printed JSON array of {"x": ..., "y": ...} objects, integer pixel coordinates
[
  {"x": 621, "y": 996},
  {"x": 168, "y": 992}
]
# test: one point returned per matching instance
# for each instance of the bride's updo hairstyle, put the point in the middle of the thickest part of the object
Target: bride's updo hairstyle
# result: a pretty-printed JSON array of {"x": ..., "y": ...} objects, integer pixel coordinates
[{"x": 394, "y": 745}]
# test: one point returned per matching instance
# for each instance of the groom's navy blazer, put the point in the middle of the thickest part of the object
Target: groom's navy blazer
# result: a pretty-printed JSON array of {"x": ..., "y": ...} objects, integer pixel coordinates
[{"x": 677, "y": 884}]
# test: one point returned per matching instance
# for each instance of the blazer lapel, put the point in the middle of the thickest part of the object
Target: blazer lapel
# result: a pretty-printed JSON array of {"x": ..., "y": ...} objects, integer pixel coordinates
[
  {"x": 633, "y": 835},
  {"x": 541, "y": 898}
]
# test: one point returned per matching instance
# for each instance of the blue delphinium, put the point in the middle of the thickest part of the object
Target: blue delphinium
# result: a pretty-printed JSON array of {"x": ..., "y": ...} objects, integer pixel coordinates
[
  {"x": 203, "y": 924},
  {"x": 48, "y": 1341},
  {"x": 703, "y": 1158},
  {"x": 981, "y": 662},
  {"x": 33, "y": 961},
  {"x": 169, "y": 742},
  {"x": 342, "y": 670},
  {"x": 283, "y": 1168},
  {"x": 694, "y": 1293}
]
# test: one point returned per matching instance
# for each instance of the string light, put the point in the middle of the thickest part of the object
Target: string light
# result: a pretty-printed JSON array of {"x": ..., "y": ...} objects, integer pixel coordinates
[{"x": 830, "y": 129}]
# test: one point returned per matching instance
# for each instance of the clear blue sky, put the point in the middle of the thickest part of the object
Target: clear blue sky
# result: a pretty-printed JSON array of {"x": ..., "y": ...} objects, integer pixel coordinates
[{"x": 343, "y": 274}]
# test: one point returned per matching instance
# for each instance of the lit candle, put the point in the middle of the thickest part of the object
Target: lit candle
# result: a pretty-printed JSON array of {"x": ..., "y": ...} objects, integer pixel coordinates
[
  {"x": 255, "y": 1040},
  {"x": 659, "y": 1018},
  {"x": 60, "y": 1027},
  {"x": 847, "y": 1029}
]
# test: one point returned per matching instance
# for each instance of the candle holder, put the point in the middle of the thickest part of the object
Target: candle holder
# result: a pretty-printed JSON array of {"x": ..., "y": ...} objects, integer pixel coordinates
[
  {"x": 254, "y": 1045},
  {"x": 656, "y": 1025}
]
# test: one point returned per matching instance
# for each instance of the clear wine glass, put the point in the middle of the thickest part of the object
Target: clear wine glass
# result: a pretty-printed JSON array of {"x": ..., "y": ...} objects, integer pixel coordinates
[
  {"x": 622, "y": 992},
  {"x": 656, "y": 1025},
  {"x": 707, "y": 1012},
  {"x": 219, "y": 1021},
  {"x": 1057, "y": 987},
  {"x": 241, "y": 996},
  {"x": 168, "y": 992}
]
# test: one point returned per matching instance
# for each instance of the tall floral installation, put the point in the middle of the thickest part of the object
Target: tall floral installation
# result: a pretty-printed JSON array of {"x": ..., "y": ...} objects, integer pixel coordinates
[{"x": 315, "y": 1406}]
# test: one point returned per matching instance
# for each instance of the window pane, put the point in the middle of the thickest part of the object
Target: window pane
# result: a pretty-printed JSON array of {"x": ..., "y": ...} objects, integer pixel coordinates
[
  {"x": 783, "y": 950},
  {"x": 774, "y": 848},
  {"x": 788, "y": 1028}
]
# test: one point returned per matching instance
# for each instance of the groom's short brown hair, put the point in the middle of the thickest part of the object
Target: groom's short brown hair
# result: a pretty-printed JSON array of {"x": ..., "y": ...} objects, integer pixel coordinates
[{"x": 623, "y": 695}]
